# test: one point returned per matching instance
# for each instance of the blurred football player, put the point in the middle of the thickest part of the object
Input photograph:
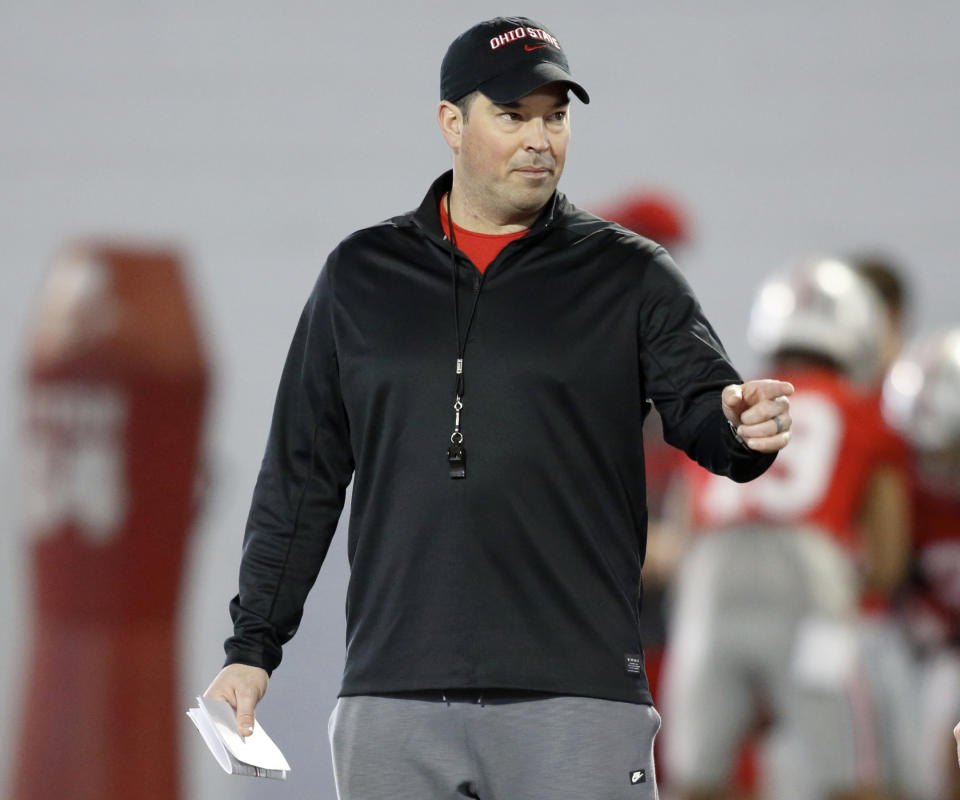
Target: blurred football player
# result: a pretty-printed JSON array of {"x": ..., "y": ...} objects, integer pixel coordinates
[
  {"x": 922, "y": 399},
  {"x": 888, "y": 663},
  {"x": 766, "y": 601}
]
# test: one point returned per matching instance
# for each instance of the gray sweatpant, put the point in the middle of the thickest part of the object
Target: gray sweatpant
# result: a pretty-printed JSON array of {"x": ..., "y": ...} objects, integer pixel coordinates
[{"x": 493, "y": 748}]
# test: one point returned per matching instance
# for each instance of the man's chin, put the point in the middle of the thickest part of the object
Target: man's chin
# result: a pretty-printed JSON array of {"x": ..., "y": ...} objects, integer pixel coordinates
[{"x": 532, "y": 198}]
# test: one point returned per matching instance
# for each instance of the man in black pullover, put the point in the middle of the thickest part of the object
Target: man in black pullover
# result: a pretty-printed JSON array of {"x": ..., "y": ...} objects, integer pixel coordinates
[{"x": 498, "y": 517}]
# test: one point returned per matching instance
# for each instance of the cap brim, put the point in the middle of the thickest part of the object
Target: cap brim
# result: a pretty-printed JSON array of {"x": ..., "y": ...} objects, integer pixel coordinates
[{"x": 511, "y": 86}]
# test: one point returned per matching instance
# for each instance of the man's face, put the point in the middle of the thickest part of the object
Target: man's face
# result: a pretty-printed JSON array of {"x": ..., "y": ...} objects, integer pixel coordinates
[{"x": 511, "y": 156}]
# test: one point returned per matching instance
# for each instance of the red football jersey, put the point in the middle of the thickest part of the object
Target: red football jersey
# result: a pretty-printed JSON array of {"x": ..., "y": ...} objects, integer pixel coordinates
[
  {"x": 936, "y": 559},
  {"x": 838, "y": 438}
]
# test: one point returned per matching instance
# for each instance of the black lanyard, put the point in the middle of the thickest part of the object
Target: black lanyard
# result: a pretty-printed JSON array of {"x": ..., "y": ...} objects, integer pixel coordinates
[{"x": 456, "y": 453}]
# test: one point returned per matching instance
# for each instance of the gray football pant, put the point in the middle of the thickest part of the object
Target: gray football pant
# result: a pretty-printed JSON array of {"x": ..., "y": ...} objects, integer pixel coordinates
[{"x": 561, "y": 748}]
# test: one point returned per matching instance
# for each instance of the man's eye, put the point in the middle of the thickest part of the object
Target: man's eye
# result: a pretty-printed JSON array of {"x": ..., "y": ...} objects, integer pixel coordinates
[
  {"x": 510, "y": 116},
  {"x": 558, "y": 116}
]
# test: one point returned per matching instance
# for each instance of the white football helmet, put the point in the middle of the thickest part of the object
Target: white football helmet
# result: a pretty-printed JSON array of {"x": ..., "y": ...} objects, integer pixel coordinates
[
  {"x": 822, "y": 306},
  {"x": 921, "y": 395}
]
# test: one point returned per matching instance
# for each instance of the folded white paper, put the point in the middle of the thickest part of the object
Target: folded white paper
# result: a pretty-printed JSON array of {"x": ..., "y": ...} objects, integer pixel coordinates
[{"x": 255, "y": 755}]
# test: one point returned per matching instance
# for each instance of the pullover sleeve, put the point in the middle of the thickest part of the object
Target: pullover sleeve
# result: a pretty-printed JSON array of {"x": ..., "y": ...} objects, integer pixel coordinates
[
  {"x": 299, "y": 493},
  {"x": 685, "y": 369}
]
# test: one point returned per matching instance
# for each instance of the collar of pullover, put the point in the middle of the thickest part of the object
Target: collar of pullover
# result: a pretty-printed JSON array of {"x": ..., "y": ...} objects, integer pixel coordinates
[{"x": 427, "y": 218}]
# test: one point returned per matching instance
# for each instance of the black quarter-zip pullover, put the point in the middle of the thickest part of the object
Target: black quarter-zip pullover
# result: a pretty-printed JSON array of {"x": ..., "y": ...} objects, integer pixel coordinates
[{"x": 526, "y": 573}]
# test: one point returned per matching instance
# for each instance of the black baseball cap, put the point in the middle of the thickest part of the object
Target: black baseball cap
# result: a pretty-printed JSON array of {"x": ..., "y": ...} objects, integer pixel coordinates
[{"x": 505, "y": 58}]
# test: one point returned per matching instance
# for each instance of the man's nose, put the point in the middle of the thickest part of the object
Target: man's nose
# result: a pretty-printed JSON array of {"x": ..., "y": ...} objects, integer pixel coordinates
[{"x": 535, "y": 136}]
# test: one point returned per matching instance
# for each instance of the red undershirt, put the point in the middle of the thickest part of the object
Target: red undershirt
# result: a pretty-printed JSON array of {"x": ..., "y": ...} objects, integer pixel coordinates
[{"x": 480, "y": 248}]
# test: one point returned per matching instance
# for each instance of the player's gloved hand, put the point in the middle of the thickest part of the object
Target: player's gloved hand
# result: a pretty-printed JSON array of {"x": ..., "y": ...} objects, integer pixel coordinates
[
  {"x": 242, "y": 686},
  {"x": 760, "y": 413}
]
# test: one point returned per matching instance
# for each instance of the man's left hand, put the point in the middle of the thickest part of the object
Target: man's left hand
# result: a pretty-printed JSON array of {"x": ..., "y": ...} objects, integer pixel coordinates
[
  {"x": 760, "y": 413},
  {"x": 956, "y": 735}
]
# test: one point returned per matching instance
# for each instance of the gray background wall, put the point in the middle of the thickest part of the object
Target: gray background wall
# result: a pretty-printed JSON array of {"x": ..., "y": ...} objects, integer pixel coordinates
[{"x": 257, "y": 135}]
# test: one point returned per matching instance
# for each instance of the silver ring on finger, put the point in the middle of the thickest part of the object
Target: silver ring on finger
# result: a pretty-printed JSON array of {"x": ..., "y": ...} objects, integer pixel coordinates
[{"x": 779, "y": 423}]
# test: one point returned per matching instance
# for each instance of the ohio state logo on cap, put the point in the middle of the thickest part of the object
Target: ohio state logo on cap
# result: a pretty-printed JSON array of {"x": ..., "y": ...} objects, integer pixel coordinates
[
  {"x": 505, "y": 58},
  {"x": 524, "y": 33}
]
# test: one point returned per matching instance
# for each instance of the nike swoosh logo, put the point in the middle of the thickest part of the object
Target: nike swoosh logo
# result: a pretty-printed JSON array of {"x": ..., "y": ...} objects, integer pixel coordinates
[{"x": 530, "y": 49}]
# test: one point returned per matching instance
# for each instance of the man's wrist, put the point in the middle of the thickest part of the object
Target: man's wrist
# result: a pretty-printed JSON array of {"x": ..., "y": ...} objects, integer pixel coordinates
[
  {"x": 248, "y": 660},
  {"x": 737, "y": 436}
]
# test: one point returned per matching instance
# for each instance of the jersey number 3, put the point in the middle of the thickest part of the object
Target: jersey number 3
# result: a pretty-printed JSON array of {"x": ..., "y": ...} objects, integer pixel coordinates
[{"x": 798, "y": 480}]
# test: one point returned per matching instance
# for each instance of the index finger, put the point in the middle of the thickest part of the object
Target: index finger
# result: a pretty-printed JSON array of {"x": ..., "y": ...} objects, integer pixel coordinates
[{"x": 766, "y": 389}]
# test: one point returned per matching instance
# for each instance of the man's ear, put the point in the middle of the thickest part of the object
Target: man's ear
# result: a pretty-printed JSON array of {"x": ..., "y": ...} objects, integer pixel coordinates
[{"x": 450, "y": 120}]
